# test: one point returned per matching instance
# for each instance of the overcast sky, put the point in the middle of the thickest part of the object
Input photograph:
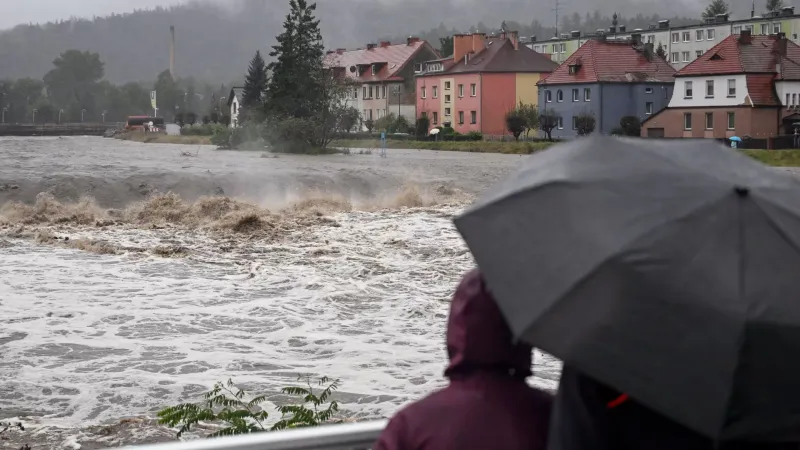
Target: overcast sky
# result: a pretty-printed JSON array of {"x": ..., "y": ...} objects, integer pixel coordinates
[{"x": 14, "y": 12}]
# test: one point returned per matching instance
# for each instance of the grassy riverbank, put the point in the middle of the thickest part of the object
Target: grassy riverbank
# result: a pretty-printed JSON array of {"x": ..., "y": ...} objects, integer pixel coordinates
[
  {"x": 514, "y": 148},
  {"x": 154, "y": 138}
]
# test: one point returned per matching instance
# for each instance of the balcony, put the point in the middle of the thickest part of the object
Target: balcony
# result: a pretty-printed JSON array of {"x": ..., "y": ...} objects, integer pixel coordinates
[{"x": 352, "y": 436}]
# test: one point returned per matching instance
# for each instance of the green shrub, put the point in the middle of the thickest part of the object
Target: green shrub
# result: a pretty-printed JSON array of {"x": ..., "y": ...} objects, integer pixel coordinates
[{"x": 241, "y": 413}]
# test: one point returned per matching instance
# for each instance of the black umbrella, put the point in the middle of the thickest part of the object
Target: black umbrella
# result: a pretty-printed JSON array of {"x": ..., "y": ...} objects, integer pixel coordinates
[{"x": 668, "y": 270}]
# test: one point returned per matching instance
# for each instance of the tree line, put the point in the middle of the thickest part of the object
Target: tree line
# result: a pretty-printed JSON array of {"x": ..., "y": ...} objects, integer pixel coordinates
[{"x": 75, "y": 90}]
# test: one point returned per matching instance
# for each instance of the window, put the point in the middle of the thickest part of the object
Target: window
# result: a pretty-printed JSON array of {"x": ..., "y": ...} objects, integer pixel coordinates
[
  {"x": 447, "y": 112},
  {"x": 676, "y": 37},
  {"x": 709, "y": 88},
  {"x": 373, "y": 70},
  {"x": 563, "y": 48},
  {"x": 370, "y": 92},
  {"x": 560, "y": 123},
  {"x": 425, "y": 114},
  {"x": 737, "y": 29},
  {"x": 648, "y": 90},
  {"x": 383, "y": 91},
  {"x": 365, "y": 92},
  {"x": 355, "y": 92},
  {"x": 555, "y": 48},
  {"x": 548, "y": 96},
  {"x": 687, "y": 36},
  {"x": 776, "y": 28},
  {"x": 676, "y": 57},
  {"x": 435, "y": 118},
  {"x": 699, "y": 35},
  {"x": 731, "y": 121},
  {"x": 687, "y": 121},
  {"x": 473, "y": 90},
  {"x": 460, "y": 90},
  {"x": 764, "y": 28},
  {"x": 575, "y": 95},
  {"x": 447, "y": 98},
  {"x": 731, "y": 88},
  {"x": 446, "y": 85},
  {"x": 436, "y": 92},
  {"x": 651, "y": 39},
  {"x": 461, "y": 117},
  {"x": 574, "y": 122},
  {"x": 709, "y": 121},
  {"x": 698, "y": 53},
  {"x": 473, "y": 117},
  {"x": 648, "y": 108},
  {"x": 710, "y": 35},
  {"x": 794, "y": 100},
  {"x": 587, "y": 94},
  {"x": 422, "y": 90},
  {"x": 685, "y": 56},
  {"x": 560, "y": 96},
  {"x": 687, "y": 89},
  {"x": 787, "y": 100}
]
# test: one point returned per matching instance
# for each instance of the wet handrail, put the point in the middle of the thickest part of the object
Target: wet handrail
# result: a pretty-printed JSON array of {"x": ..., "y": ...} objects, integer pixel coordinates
[{"x": 350, "y": 436}]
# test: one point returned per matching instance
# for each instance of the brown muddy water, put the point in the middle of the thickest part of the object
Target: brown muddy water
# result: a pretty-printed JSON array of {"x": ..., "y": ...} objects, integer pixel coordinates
[{"x": 134, "y": 276}]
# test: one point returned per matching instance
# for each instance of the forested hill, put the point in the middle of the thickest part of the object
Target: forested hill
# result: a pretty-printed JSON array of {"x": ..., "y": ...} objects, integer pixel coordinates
[{"x": 215, "y": 43}]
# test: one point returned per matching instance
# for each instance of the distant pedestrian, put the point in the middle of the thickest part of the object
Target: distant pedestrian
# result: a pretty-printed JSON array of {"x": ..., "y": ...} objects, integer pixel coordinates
[{"x": 796, "y": 138}]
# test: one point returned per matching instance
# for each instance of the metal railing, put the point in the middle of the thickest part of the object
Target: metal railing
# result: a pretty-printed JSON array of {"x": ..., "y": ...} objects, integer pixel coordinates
[{"x": 350, "y": 436}]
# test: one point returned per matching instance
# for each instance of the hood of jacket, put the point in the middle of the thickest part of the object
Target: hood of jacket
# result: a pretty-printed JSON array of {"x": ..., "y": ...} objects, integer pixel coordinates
[{"x": 478, "y": 338}]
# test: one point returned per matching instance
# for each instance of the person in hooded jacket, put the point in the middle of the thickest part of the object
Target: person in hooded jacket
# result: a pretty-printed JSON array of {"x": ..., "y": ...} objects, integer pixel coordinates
[
  {"x": 588, "y": 415},
  {"x": 488, "y": 404}
]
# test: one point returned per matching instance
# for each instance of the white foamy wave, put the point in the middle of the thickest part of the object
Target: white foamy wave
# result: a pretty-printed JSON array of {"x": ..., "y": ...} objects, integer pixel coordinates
[{"x": 87, "y": 338}]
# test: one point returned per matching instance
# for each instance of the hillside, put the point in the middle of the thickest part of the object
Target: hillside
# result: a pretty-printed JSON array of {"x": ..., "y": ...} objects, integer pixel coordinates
[{"x": 215, "y": 43}]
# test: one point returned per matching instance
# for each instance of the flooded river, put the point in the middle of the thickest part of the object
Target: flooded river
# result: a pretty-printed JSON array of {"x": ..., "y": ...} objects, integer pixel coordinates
[{"x": 134, "y": 276}]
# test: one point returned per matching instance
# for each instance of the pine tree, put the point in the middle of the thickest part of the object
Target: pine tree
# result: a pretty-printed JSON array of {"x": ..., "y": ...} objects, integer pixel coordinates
[
  {"x": 716, "y": 7},
  {"x": 661, "y": 52},
  {"x": 296, "y": 87},
  {"x": 774, "y": 5},
  {"x": 255, "y": 86}
]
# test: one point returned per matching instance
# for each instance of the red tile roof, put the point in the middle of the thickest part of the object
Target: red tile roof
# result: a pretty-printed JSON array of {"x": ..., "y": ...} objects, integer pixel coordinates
[
  {"x": 732, "y": 56},
  {"x": 392, "y": 59},
  {"x": 761, "y": 90},
  {"x": 611, "y": 62},
  {"x": 500, "y": 56}
]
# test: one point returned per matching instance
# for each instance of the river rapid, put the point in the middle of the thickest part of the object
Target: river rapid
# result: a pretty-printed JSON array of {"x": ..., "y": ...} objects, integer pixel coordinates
[{"x": 134, "y": 276}]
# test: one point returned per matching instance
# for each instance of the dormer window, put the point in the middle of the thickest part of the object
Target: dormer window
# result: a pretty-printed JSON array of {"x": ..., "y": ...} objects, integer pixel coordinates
[
  {"x": 573, "y": 68},
  {"x": 715, "y": 57},
  {"x": 435, "y": 67},
  {"x": 374, "y": 69}
]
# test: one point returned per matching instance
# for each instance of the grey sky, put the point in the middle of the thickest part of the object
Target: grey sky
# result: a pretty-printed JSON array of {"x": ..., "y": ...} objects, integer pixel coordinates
[{"x": 14, "y": 12}]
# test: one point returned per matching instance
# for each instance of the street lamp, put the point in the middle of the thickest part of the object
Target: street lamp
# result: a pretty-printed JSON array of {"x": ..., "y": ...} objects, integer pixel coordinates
[
  {"x": 5, "y": 108},
  {"x": 34, "y": 114},
  {"x": 82, "y": 111},
  {"x": 60, "y": 112},
  {"x": 104, "y": 116}
]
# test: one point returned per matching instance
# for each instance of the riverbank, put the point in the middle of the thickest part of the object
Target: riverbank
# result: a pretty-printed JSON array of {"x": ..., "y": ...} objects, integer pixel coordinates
[{"x": 158, "y": 138}]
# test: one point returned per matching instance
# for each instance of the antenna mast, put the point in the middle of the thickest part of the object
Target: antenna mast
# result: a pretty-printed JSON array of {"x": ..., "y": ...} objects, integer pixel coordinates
[{"x": 557, "y": 9}]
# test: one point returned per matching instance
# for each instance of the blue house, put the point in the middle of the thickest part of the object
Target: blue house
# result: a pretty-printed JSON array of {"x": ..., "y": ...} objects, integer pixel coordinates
[{"x": 608, "y": 80}]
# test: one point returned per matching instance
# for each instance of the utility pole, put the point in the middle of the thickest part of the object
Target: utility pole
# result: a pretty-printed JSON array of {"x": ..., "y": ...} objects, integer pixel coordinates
[{"x": 557, "y": 9}]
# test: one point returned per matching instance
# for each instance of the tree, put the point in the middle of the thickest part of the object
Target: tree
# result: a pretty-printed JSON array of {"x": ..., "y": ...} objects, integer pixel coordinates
[
  {"x": 531, "y": 115},
  {"x": 630, "y": 125},
  {"x": 421, "y": 126},
  {"x": 295, "y": 88},
  {"x": 73, "y": 82},
  {"x": 191, "y": 118},
  {"x": 774, "y": 6},
  {"x": 255, "y": 86},
  {"x": 350, "y": 118},
  {"x": 168, "y": 96},
  {"x": 369, "y": 124},
  {"x": 446, "y": 45},
  {"x": 548, "y": 120},
  {"x": 515, "y": 123},
  {"x": 714, "y": 8},
  {"x": 661, "y": 52},
  {"x": 584, "y": 124}
]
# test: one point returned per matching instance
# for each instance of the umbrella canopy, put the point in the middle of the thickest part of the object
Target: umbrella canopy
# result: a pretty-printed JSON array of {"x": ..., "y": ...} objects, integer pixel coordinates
[
  {"x": 668, "y": 270},
  {"x": 736, "y": 138}
]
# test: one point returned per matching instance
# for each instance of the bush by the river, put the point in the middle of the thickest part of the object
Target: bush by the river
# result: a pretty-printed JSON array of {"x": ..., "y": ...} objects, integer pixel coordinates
[
  {"x": 241, "y": 412},
  {"x": 200, "y": 129}
]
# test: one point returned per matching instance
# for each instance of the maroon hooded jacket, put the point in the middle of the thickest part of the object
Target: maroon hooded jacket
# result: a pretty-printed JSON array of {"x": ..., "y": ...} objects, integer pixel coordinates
[{"x": 487, "y": 405}]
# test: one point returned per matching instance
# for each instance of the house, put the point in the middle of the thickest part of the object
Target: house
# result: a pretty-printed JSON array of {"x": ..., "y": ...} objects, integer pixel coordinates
[
  {"x": 234, "y": 102},
  {"x": 608, "y": 80},
  {"x": 381, "y": 76},
  {"x": 745, "y": 85},
  {"x": 682, "y": 44},
  {"x": 486, "y": 77}
]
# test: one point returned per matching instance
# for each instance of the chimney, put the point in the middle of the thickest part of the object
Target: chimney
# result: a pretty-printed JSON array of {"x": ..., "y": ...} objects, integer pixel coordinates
[
  {"x": 636, "y": 39},
  {"x": 514, "y": 36},
  {"x": 649, "y": 52},
  {"x": 576, "y": 34},
  {"x": 385, "y": 44},
  {"x": 781, "y": 44},
  {"x": 612, "y": 30},
  {"x": 412, "y": 40},
  {"x": 662, "y": 24},
  {"x": 622, "y": 28},
  {"x": 533, "y": 38},
  {"x": 746, "y": 37},
  {"x": 340, "y": 51},
  {"x": 371, "y": 46},
  {"x": 172, "y": 51}
]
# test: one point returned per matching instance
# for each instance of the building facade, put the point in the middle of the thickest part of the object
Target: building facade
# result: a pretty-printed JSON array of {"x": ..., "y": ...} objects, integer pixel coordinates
[
  {"x": 682, "y": 44},
  {"x": 744, "y": 86},
  {"x": 234, "y": 103},
  {"x": 484, "y": 79},
  {"x": 380, "y": 76},
  {"x": 607, "y": 80}
]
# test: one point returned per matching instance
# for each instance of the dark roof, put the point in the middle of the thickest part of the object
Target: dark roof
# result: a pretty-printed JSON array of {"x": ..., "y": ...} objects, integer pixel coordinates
[
  {"x": 612, "y": 62},
  {"x": 235, "y": 92},
  {"x": 732, "y": 55},
  {"x": 500, "y": 56},
  {"x": 390, "y": 58}
]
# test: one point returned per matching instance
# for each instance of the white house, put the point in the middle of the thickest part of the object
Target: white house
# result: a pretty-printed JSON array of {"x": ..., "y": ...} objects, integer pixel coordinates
[{"x": 234, "y": 100}]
